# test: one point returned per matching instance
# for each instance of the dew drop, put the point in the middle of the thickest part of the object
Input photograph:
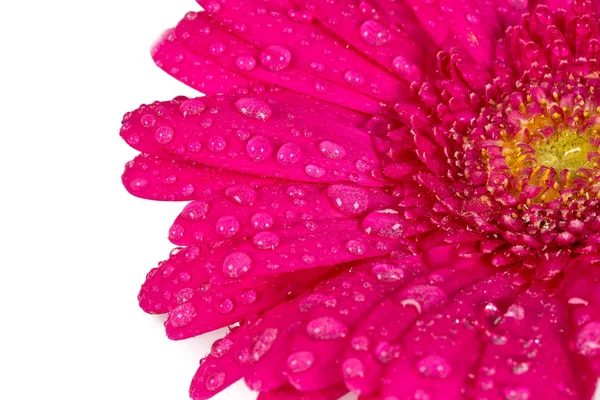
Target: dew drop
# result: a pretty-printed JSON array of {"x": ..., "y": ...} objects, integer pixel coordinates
[
  {"x": 195, "y": 211},
  {"x": 300, "y": 361},
  {"x": 245, "y": 63},
  {"x": 265, "y": 240},
  {"x": 434, "y": 367},
  {"x": 184, "y": 295},
  {"x": 517, "y": 393},
  {"x": 356, "y": 247},
  {"x": 217, "y": 49},
  {"x": 314, "y": 171},
  {"x": 138, "y": 184},
  {"x": 332, "y": 150},
  {"x": 236, "y": 265},
  {"x": 386, "y": 352},
  {"x": 348, "y": 199},
  {"x": 326, "y": 328},
  {"x": 317, "y": 67},
  {"x": 164, "y": 134},
  {"x": 248, "y": 297},
  {"x": 213, "y": 7},
  {"x": 227, "y": 226},
  {"x": 226, "y": 306},
  {"x": 182, "y": 315},
  {"x": 216, "y": 143},
  {"x": 221, "y": 347},
  {"x": 275, "y": 58},
  {"x": 518, "y": 4},
  {"x": 261, "y": 221},
  {"x": 264, "y": 343},
  {"x": 148, "y": 120},
  {"x": 387, "y": 272},
  {"x": 384, "y": 223},
  {"x": 352, "y": 368},
  {"x": 360, "y": 343},
  {"x": 321, "y": 85},
  {"x": 191, "y": 107},
  {"x": 422, "y": 297},
  {"x": 241, "y": 194},
  {"x": 254, "y": 108},
  {"x": 188, "y": 190},
  {"x": 354, "y": 78},
  {"x": 176, "y": 233},
  {"x": 300, "y": 16},
  {"x": 374, "y": 33},
  {"x": 587, "y": 340},
  {"x": 215, "y": 381},
  {"x": 259, "y": 148},
  {"x": 288, "y": 154}
]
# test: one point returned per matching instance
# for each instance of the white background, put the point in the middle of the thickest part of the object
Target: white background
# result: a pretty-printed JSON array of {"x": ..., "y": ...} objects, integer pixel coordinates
[{"x": 75, "y": 245}]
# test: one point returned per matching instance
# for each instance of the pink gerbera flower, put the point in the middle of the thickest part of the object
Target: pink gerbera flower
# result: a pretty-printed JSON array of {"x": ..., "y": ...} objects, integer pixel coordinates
[{"x": 395, "y": 198}]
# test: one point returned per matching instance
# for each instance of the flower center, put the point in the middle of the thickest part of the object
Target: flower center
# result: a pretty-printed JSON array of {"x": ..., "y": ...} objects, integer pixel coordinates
[{"x": 566, "y": 150}]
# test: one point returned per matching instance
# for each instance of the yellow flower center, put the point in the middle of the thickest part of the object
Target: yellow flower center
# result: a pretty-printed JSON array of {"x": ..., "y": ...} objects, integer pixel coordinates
[{"x": 566, "y": 150}]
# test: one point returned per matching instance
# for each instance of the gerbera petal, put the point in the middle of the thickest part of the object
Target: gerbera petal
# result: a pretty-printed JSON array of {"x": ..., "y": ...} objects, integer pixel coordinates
[
  {"x": 290, "y": 393},
  {"x": 207, "y": 38},
  {"x": 528, "y": 356},
  {"x": 278, "y": 28},
  {"x": 376, "y": 342},
  {"x": 195, "y": 71},
  {"x": 444, "y": 346},
  {"x": 382, "y": 34},
  {"x": 256, "y": 135},
  {"x": 241, "y": 210},
  {"x": 156, "y": 178}
]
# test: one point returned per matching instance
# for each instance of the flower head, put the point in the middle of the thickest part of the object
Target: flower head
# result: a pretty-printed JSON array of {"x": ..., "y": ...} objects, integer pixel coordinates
[{"x": 395, "y": 198}]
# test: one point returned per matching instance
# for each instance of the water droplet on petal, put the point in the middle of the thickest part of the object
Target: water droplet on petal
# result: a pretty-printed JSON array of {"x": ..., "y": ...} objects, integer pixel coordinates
[
  {"x": 326, "y": 328},
  {"x": 317, "y": 67},
  {"x": 164, "y": 134},
  {"x": 217, "y": 49},
  {"x": 374, "y": 33},
  {"x": 332, "y": 150},
  {"x": 254, "y": 108},
  {"x": 354, "y": 78},
  {"x": 195, "y": 211},
  {"x": 434, "y": 367},
  {"x": 387, "y": 272},
  {"x": 288, "y": 154},
  {"x": 385, "y": 223},
  {"x": 241, "y": 194},
  {"x": 221, "y": 347},
  {"x": 226, "y": 306},
  {"x": 348, "y": 199},
  {"x": 188, "y": 190},
  {"x": 356, "y": 247},
  {"x": 360, "y": 343},
  {"x": 275, "y": 58},
  {"x": 264, "y": 343},
  {"x": 215, "y": 381},
  {"x": 265, "y": 240},
  {"x": 386, "y": 352},
  {"x": 248, "y": 297},
  {"x": 301, "y": 16},
  {"x": 236, "y": 265},
  {"x": 517, "y": 393},
  {"x": 213, "y": 7},
  {"x": 587, "y": 340},
  {"x": 182, "y": 315},
  {"x": 300, "y": 361},
  {"x": 259, "y": 148},
  {"x": 216, "y": 143},
  {"x": 352, "y": 368},
  {"x": 191, "y": 107},
  {"x": 148, "y": 120},
  {"x": 176, "y": 232},
  {"x": 321, "y": 85},
  {"x": 227, "y": 226},
  {"x": 314, "y": 171},
  {"x": 261, "y": 221},
  {"x": 404, "y": 67},
  {"x": 422, "y": 297},
  {"x": 245, "y": 63}
]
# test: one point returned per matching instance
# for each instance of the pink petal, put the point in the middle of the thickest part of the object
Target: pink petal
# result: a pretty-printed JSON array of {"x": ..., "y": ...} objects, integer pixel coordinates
[
  {"x": 156, "y": 178},
  {"x": 527, "y": 354},
  {"x": 245, "y": 134},
  {"x": 267, "y": 24},
  {"x": 193, "y": 70},
  {"x": 444, "y": 346},
  {"x": 289, "y": 393},
  {"x": 243, "y": 210},
  {"x": 376, "y": 33},
  {"x": 378, "y": 336}
]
